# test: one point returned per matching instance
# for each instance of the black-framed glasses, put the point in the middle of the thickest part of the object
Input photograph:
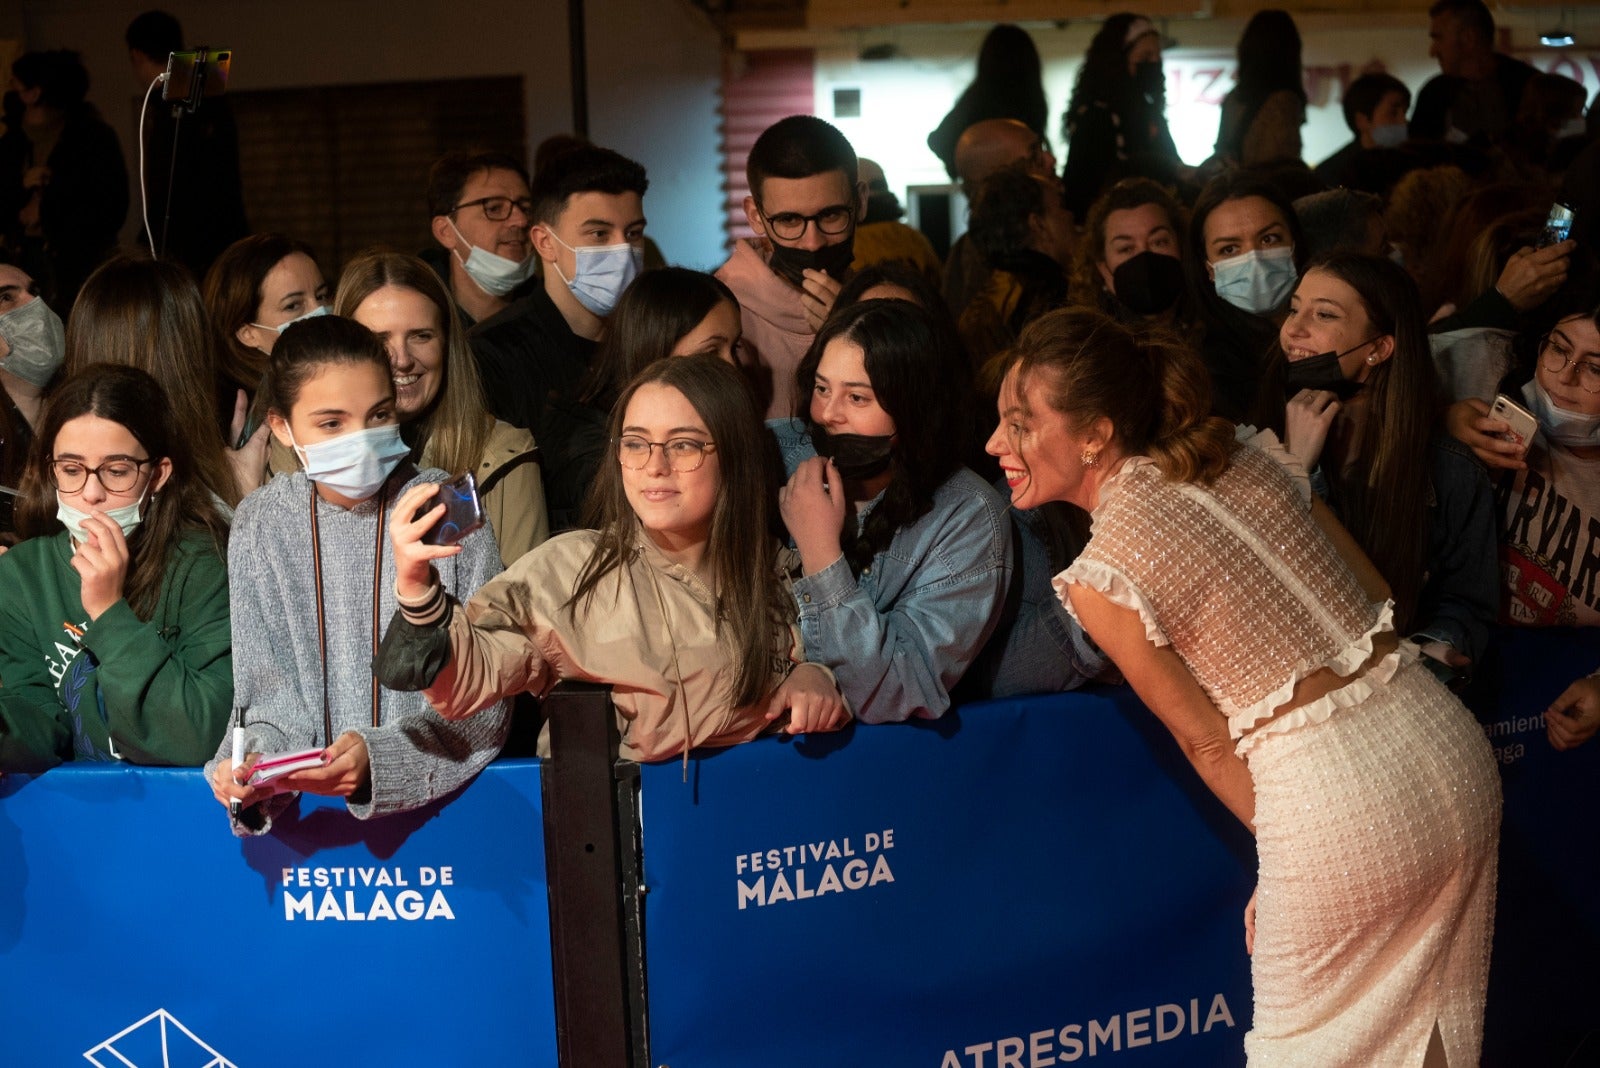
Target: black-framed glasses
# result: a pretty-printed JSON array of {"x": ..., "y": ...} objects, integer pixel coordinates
[
  {"x": 791, "y": 225},
  {"x": 683, "y": 454},
  {"x": 119, "y": 474},
  {"x": 1556, "y": 354},
  {"x": 498, "y": 209}
]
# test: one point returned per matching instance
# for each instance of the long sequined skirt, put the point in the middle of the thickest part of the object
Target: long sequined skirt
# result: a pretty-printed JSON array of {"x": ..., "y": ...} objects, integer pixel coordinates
[{"x": 1377, "y": 832}]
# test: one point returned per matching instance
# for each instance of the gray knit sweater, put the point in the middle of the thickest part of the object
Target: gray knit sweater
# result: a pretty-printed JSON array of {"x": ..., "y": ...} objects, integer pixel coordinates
[{"x": 415, "y": 755}]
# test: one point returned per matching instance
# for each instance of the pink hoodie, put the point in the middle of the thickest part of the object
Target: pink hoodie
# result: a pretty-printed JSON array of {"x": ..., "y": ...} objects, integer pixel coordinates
[{"x": 773, "y": 320}]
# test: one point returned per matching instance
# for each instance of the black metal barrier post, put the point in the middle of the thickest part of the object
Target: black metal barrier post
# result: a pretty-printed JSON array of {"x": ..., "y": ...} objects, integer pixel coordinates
[{"x": 593, "y": 872}]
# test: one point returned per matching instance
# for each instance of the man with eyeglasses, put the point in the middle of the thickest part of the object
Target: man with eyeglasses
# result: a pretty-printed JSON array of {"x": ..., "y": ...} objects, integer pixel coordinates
[
  {"x": 481, "y": 212},
  {"x": 805, "y": 200}
]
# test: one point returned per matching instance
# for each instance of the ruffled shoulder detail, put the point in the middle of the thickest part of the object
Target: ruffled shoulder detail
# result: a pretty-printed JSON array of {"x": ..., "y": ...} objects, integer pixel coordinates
[
  {"x": 1267, "y": 442},
  {"x": 1345, "y": 662},
  {"x": 1111, "y": 584}
]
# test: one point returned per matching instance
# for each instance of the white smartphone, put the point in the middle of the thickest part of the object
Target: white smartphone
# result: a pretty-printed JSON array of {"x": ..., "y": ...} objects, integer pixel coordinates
[{"x": 1519, "y": 419}]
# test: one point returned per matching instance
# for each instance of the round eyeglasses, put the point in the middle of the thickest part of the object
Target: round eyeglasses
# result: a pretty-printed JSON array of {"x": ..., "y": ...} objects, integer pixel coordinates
[
  {"x": 683, "y": 454},
  {"x": 791, "y": 225},
  {"x": 116, "y": 475},
  {"x": 1555, "y": 354}
]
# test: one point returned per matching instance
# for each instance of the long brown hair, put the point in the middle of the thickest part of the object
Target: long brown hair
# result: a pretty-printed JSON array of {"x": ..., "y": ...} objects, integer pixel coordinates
[
  {"x": 1153, "y": 389},
  {"x": 233, "y": 297},
  {"x": 454, "y": 431},
  {"x": 147, "y": 313},
  {"x": 134, "y": 400},
  {"x": 752, "y": 604},
  {"x": 1382, "y": 491}
]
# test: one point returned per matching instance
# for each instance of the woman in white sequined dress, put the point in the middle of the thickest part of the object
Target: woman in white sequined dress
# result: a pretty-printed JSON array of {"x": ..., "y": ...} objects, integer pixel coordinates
[{"x": 1252, "y": 626}]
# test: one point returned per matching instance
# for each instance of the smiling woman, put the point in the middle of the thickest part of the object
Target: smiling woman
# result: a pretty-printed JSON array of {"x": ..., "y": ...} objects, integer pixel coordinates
[
  {"x": 678, "y": 599},
  {"x": 439, "y": 396}
]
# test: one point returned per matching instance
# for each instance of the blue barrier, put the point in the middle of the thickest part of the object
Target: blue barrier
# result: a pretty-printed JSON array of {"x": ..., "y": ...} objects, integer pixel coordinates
[
  {"x": 1020, "y": 884},
  {"x": 134, "y": 929},
  {"x": 1544, "y": 980}
]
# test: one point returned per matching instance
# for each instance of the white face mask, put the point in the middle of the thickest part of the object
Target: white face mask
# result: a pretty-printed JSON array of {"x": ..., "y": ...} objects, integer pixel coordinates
[
  {"x": 1572, "y": 429},
  {"x": 601, "y": 273},
  {"x": 128, "y": 517},
  {"x": 1575, "y": 127},
  {"x": 1258, "y": 281},
  {"x": 37, "y": 340},
  {"x": 356, "y": 464},
  {"x": 1389, "y": 135},
  {"x": 320, "y": 309},
  {"x": 493, "y": 274}
]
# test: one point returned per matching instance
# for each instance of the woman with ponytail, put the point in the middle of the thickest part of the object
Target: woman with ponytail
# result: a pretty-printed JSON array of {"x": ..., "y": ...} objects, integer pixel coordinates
[
  {"x": 906, "y": 554},
  {"x": 1251, "y": 624}
]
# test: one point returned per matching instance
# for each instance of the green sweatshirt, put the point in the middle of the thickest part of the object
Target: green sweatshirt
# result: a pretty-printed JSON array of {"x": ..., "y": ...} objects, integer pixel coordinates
[{"x": 117, "y": 688}]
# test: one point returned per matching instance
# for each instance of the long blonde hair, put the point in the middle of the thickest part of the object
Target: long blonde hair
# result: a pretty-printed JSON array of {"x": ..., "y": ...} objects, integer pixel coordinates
[{"x": 454, "y": 431}]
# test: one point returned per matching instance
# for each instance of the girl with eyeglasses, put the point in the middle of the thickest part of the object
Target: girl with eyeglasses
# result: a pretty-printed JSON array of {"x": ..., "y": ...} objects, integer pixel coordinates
[
  {"x": 678, "y": 598},
  {"x": 313, "y": 583},
  {"x": 1549, "y": 488},
  {"x": 114, "y": 637}
]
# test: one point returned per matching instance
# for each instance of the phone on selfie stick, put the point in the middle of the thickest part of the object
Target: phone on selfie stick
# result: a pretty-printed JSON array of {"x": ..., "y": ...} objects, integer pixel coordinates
[
  {"x": 1557, "y": 225},
  {"x": 463, "y": 511},
  {"x": 194, "y": 76}
]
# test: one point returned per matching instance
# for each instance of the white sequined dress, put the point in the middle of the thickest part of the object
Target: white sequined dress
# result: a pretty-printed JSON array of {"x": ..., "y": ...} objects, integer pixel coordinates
[{"x": 1377, "y": 806}]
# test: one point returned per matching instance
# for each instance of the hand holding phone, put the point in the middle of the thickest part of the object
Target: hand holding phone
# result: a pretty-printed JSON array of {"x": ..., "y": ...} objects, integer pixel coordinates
[
  {"x": 1522, "y": 422},
  {"x": 463, "y": 511}
]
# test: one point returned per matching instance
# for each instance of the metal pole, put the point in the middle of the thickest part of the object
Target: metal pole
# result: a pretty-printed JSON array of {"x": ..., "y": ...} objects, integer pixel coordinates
[{"x": 579, "y": 58}]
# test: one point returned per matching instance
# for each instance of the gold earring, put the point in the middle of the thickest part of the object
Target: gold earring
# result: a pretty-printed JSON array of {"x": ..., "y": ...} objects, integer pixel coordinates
[{"x": 1090, "y": 458}]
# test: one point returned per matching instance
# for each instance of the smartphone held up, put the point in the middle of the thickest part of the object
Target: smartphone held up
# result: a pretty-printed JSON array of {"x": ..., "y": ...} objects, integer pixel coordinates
[{"x": 463, "y": 511}]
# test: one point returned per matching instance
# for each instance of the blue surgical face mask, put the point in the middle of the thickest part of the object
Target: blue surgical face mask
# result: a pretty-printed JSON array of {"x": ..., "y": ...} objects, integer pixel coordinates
[
  {"x": 1389, "y": 135},
  {"x": 492, "y": 273},
  {"x": 1572, "y": 429},
  {"x": 320, "y": 309},
  {"x": 601, "y": 273},
  {"x": 356, "y": 464},
  {"x": 1258, "y": 281},
  {"x": 128, "y": 517}
]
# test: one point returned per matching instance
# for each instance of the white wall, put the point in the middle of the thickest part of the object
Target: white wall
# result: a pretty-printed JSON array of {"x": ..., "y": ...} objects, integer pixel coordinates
[
  {"x": 902, "y": 99},
  {"x": 669, "y": 126},
  {"x": 654, "y": 72}
]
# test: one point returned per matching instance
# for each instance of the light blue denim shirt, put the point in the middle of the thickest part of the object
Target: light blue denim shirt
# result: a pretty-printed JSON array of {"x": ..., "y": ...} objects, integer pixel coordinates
[{"x": 901, "y": 634}]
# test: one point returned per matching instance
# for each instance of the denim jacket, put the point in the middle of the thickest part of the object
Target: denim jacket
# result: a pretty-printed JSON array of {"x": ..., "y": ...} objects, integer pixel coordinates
[{"x": 901, "y": 634}]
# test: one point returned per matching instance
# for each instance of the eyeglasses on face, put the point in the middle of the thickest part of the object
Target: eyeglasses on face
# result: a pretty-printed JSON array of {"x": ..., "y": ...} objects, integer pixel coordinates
[
  {"x": 119, "y": 474},
  {"x": 791, "y": 225},
  {"x": 683, "y": 454},
  {"x": 498, "y": 209},
  {"x": 1555, "y": 353}
]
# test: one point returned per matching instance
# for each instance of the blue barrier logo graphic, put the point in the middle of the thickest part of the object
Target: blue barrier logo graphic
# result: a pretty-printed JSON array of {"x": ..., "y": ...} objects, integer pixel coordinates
[{"x": 158, "y": 1041}]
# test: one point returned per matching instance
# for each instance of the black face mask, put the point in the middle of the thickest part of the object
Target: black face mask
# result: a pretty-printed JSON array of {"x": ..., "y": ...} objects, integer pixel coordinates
[
  {"x": 1323, "y": 372},
  {"x": 834, "y": 260},
  {"x": 1149, "y": 77},
  {"x": 1149, "y": 283},
  {"x": 857, "y": 456}
]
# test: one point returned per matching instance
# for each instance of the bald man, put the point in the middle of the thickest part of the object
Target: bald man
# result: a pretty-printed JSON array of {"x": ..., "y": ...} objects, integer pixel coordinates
[{"x": 983, "y": 148}]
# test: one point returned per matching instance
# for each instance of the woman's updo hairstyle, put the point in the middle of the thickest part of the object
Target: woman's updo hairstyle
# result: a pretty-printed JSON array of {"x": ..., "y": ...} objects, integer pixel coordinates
[
  {"x": 1153, "y": 389},
  {"x": 309, "y": 344}
]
